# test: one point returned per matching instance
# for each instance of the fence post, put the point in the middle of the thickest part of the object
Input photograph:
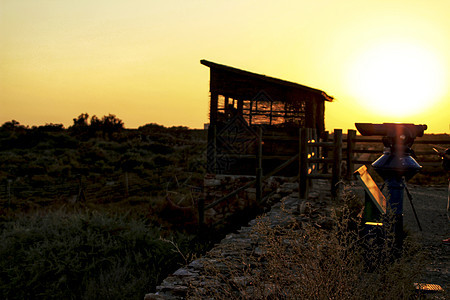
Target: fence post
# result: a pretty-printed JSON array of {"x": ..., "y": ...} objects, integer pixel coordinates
[
  {"x": 324, "y": 153},
  {"x": 315, "y": 151},
  {"x": 337, "y": 159},
  {"x": 214, "y": 160},
  {"x": 351, "y": 135},
  {"x": 310, "y": 151},
  {"x": 302, "y": 167},
  {"x": 259, "y": 167}
]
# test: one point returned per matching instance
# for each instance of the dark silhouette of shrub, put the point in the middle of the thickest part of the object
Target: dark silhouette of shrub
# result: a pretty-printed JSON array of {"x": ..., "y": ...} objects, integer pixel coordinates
[
  {"x": 158, "y": 148},
  {"x": 111, "y": 124},
  {"x": 50, "y": 127},
  {"x": 84, "y": 129},
  {"x": 130, "y": 161},
  {"x": 162, "y": 161},
  {"x": 13, "y": 126},
  {"x": 81, "y": 120},
  {"x": 80, "y": 127}
]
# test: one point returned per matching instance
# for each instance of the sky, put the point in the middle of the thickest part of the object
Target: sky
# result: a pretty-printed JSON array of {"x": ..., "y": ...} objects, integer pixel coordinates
[{"x": 382, "y": 61}]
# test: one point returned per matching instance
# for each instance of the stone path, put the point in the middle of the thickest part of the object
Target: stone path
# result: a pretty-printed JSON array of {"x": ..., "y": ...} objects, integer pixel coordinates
[{"x": 238, "y": 248}]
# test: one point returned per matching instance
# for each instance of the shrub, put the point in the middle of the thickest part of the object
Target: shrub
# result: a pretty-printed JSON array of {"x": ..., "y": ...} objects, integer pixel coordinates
[
  {"x": 130, "y": 161},
  {"x": 50, "y": 127},
  {"x": 162, "y": 161},
  {"x": 82, "y": 255},
  {"x": 12, "y": 126},
  {"x": 158, "y": 148},
  {"x": 64, "y": 141}
]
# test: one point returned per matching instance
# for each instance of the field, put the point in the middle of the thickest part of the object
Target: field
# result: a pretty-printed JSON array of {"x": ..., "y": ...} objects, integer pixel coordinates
[
  {"x": 86, "y": 209},
  {"x": 50, "y": 166}
]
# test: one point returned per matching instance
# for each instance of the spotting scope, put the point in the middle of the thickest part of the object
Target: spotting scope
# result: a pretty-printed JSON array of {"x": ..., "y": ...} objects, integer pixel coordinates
[
  {"x": 393, "y": 133},
  {"x": 396, "y": 165}
]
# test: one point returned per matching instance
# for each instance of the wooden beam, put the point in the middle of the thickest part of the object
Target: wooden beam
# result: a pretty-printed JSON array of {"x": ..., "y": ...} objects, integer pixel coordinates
[
  {"x": 302, "y": 167},
  {"x": 337, "y": 156},
  {"x": 351, "y": 134}
]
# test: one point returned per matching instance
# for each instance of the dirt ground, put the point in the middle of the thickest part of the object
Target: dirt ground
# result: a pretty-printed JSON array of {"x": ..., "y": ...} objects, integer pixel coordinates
[{"x": 430, "y": 203}]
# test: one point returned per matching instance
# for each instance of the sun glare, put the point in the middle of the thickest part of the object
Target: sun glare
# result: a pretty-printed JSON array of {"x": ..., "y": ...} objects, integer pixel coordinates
[{"x": 397, "y": 79}]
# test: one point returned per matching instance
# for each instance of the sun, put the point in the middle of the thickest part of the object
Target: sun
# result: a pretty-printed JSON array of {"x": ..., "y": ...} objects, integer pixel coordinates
[{"x": 397, "y": 79}]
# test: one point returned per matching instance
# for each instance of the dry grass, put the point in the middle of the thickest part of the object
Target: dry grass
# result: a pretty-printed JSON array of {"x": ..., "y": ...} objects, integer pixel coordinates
[{"x": 298, "y": 260}]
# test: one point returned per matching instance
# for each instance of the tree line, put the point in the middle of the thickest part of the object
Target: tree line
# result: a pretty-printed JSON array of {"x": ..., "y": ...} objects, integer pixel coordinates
[{"x": 82, "y": 126}]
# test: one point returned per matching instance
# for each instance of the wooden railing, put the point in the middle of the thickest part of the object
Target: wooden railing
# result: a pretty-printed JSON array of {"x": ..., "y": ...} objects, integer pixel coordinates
[
  {"x": 311, "y": 153},
  {"x": 316, "y": 156}
]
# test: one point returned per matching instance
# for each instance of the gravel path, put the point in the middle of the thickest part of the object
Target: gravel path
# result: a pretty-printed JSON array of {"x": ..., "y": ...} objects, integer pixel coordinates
[{"x": 430, "y": 204}]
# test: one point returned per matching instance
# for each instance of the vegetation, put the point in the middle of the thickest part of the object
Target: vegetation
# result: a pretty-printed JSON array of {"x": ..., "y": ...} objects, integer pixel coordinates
[
  {"x": 49, "y": 165},
  {"x": 80, "y": 207},
  {"x": 84, "y": 255}
]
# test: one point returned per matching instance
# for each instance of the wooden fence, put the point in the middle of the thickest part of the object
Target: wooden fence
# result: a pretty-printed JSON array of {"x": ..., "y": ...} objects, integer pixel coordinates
[
  {"x": 317, "y": 156},
  {"x": 423, "y": 149},
  {"x": 312, "y": 152}
]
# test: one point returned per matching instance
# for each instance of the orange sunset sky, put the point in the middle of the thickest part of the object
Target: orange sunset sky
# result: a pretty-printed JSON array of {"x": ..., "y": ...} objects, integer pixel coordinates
[{"x": 383, "y": 61}]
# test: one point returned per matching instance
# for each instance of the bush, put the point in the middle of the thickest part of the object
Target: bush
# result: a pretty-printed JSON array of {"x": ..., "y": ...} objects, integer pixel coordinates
[
  {"x": 162, "y": 161},
  {"x": 82, "y": 256},
  {"x": 157, "y": 148}
]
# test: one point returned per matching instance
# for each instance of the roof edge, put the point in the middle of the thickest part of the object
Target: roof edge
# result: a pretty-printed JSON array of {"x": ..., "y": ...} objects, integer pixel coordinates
[{"x": 211, "y": 64}]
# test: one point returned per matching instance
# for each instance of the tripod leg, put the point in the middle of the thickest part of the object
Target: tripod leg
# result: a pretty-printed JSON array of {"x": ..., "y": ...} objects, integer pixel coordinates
[{"x": 412, "y": 205}]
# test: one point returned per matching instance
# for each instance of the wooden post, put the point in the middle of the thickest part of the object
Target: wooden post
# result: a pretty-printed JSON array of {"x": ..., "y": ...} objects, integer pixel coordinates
[
  {"x": 212, "y": 131},
  {"x": 309, "y": 150},
  {"x": 214, "y": 161},
  {"x": 213, "y": 108},
  {"x": 250, "y": 113},
  {"x": 315, "y": 150},
  {"x": 324, "y": 153},
  {"x": 337, "y": 159},
  {"x": 211, "y": 154},
  {"x": 259, "y": 167},
  {"x": 302, "y": 167},
  {"x": 227, "y": 108},
  {"x": 240, "y": 107},
  {"x": 351, "y": 135}
]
